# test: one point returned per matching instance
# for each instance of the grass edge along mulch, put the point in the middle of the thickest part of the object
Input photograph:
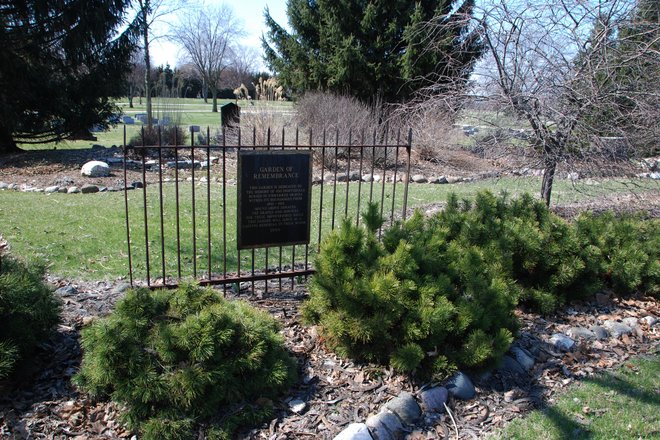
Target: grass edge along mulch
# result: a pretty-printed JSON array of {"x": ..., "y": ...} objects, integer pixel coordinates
[{"x": 621, "y": 404}]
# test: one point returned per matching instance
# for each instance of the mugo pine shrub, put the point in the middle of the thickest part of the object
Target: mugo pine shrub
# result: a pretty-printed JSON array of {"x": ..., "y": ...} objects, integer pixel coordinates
[
  {"x": 176, "y": 358},
  {"x": 629, "y": 251},
  {"x": 28, "y": 311},
  {"x": 417, "y": 300},
  {"x": 439, "y": 292}
]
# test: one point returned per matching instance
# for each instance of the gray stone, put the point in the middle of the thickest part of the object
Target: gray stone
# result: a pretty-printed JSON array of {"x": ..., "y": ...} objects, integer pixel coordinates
[
  {"x": 405, "y": 406},
  {"x": 442, "y": 180},
  {"x": 89, "y": 189},
  {"x": 121, "y": 288},
  {"x": 433, "y": 399},
  {"x": 12, "y": 186},
  {"x": 297, "y": 406},
  {"x": 460, "y": 386},
  {"x": 62, "y": 189},
  {"x": 73, "y": 190},
  {"x": 103, "y": 189},
  {"x": 95, "y": 168},
  {"x": 377, "y": 177},
  {"x": 631, "y": 322},
  {"x": 418, "y": 178},
  {"x": 385, "y": 426},
  {"x": 649, "y": 320},
  {"x": 367, "y": 178},
  {"x": 511, "y": 366},
  {"x": 654, "y": 176},
  {"x": 66, "y": 291},
  {"x": 4, "y": 185},
  {"x": 181, "y": 164},
  {"x": 137, "y": 184},
  {"x": 581, "y": 332},
  {"x": 599, "y": 332},
  {"x": 354, "y": 431},
  {"x": 342, "y": 177},
  {"x": 617, "y": 329},
  {"x": 562, "y": 342},
  {"x": 523, "y": 357},
  {"x": 52, "y": 189}
]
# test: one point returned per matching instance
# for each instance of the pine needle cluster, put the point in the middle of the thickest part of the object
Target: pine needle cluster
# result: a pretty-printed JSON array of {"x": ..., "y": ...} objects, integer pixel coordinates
[
  {"x": 439, "y": 293},
  {"x": 28, "y": 311},
  {"x": 178, "y": 358}
]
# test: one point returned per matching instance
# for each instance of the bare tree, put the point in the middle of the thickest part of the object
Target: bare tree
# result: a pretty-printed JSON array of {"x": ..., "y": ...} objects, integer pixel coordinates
[
  {"x": 135, "y": 81},
  {"x": 577, "y": 79},
  {"x": 242, "y": 68},
  {"x": 208, "y": 37},
  {"x": 581, "y": 73},
  {"x": 150, "y": 12}
]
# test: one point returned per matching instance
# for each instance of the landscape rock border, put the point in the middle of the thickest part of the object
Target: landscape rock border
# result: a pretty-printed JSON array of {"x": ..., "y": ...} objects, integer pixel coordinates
[{"x": 400, "y": 415}]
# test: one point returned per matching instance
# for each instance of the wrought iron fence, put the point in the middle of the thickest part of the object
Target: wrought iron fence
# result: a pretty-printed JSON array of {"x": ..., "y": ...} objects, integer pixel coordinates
[{"x": 180, "y": 217}]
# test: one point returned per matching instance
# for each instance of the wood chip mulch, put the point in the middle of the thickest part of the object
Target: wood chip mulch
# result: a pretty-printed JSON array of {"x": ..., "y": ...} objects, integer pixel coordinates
[{"x": 335, "y": 391}]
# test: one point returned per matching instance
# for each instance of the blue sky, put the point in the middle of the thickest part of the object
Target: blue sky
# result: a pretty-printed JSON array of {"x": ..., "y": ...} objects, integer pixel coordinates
[{"x": 250, "y": 12}]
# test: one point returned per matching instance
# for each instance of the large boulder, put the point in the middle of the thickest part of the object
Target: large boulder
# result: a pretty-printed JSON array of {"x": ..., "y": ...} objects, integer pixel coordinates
[{"x": 95, "y": 168}]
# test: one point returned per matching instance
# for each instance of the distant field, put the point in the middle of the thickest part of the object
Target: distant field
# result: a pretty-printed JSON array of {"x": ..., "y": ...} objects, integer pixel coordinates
[{"x": 182, "y": 111}]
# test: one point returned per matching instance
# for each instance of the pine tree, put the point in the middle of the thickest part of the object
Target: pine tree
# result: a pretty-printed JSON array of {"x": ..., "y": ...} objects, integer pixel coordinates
[
  {"x": 60, "y": 66},
  {"x": 371, "y": 48}
]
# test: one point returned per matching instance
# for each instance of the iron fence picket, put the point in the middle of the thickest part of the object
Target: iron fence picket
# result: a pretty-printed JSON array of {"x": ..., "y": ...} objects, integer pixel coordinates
[{"x": 235, "y": 273}]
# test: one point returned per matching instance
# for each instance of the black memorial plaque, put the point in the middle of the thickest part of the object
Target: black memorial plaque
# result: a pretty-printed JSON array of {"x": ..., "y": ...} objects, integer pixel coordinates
[{"x": 274, "y": 198}]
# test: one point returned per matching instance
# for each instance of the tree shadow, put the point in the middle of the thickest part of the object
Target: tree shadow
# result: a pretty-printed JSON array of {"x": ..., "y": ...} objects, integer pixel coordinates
[
  {"x": 624, "y": 387},
  {"x": 569, "y": 427},
  {"x": 530, "y": 390}
]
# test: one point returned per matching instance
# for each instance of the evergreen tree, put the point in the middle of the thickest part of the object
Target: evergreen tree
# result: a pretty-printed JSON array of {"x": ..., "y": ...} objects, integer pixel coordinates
[
  {"x": 60, "y": 65},
  {"x": 370, "y": 48}
]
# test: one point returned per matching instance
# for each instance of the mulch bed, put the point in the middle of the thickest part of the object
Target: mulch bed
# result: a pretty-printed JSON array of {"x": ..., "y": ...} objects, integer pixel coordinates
[{"x": 336, "y": 391}]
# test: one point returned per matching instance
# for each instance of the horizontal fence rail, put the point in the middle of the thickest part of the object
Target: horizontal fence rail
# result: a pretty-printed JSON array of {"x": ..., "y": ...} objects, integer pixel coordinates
[{"x": 181, "y": 218}]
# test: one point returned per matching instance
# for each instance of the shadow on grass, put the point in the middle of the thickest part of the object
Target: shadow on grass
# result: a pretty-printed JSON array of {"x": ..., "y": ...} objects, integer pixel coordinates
[
  {"x": 569, "y": 428},
  {"x": 624, "y": 387}
]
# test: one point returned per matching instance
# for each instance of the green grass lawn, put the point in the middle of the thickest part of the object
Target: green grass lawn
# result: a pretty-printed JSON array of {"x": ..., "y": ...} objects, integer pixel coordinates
[
  {"x": 182, "y": 111},
  {"x": 84, "y": 236},
  {"x": 621, "y": 404}
]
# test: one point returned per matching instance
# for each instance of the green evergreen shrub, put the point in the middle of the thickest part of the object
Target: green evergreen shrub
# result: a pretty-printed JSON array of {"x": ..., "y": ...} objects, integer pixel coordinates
[
  {"x": 415, "y": 300},
  {"x": 629, "y": 251},
  {"x": 28, "y": 311},
  {"x": 439, "y": 292},
  {"x": 176, "y": 358}
]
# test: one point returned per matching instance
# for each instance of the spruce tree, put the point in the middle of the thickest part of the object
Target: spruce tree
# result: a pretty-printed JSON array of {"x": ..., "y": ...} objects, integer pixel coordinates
[
  {"x": 61, "y": 64},
  {"x": 371, "y": 48}
]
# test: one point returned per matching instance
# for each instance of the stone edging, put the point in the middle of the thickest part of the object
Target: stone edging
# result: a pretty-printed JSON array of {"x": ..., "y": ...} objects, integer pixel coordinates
[{"x": 401, "y": 414}]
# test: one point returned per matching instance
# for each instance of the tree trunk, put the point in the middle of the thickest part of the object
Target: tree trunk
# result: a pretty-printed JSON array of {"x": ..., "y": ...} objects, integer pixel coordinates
[
  {"x": 7, "y": 143},
  {"x": 548, "y": 178},
  {"x": 130, "y": 101},
  {"x": 214, "y": 93}
]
